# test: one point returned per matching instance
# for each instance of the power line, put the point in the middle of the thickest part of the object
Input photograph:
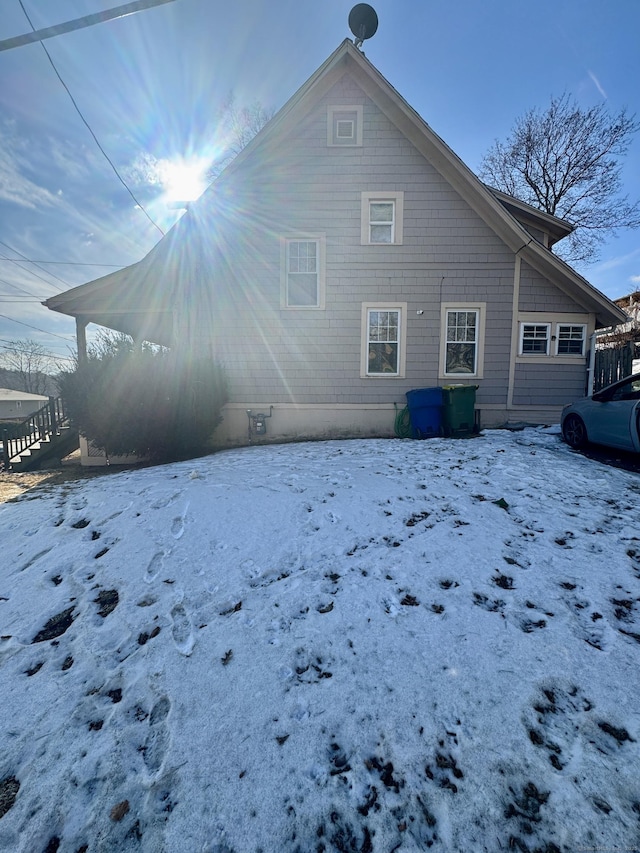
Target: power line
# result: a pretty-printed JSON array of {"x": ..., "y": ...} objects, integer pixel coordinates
[
  {"x": 32, "y": 272},
  {"x": 61, "y": 263},
  {"x": 15, "y": 287},
  {"x": 44, "y": 332},
  {"x": 86, "y": 124},
  {"x": 51, "y": 355},
  {"x": 24, "y": 258}
]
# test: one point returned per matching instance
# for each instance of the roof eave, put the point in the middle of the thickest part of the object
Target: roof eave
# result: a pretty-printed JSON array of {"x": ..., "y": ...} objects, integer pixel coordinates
[{"x": 556, "y": 227}]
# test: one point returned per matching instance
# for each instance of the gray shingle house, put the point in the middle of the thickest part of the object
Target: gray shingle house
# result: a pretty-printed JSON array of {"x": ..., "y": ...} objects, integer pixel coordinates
[
  {"x": 17, "y": 405},
  {"x": 347, "y": 256}
]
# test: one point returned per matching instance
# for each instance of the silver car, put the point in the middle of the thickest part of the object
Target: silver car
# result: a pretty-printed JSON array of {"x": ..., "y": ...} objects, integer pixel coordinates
[{"x": 611, "y": 416}]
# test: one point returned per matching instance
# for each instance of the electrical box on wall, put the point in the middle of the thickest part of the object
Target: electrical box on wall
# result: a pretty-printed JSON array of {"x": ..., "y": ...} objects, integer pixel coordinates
[{"x": 258, "y": 422}]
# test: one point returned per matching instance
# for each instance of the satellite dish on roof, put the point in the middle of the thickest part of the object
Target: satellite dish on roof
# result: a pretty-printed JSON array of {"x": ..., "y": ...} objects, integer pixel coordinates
[{"x": 363, "y": 22}]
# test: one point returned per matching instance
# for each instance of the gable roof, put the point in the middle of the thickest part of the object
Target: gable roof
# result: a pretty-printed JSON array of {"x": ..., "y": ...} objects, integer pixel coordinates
[{"x": 120, "y": 297}]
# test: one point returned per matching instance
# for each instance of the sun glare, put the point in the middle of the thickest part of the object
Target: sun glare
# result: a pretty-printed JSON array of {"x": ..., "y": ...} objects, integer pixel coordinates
[{"x": 183, "y": 180}]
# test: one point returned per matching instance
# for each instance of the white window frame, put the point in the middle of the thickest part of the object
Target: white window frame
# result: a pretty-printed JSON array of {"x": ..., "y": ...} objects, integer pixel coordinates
[
  {"x": 554, "y": 323},
  {"x": 338, "y": 113},
  {"x": 401, "y": 309},
  {"x": 285, "y": 243},
  {"x": 583, "y": 339},
  {"x": 480, "y": 310},
  {"x": 369, "y": 198},
  {"x": 536, "y": 325}
]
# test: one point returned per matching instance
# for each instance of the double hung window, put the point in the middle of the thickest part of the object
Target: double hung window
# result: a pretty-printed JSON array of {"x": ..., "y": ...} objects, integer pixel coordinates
[
  {"x": 462, "y": 342},
  {"x": 302, "y": 273},
  {"x": 382, "y": 218},
  {"x": 383, "y": 344},
  {"x": 382, "y": 221}
]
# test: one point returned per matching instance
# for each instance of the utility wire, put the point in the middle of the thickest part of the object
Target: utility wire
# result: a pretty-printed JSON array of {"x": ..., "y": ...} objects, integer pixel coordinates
[
  {"x": 44, "y": 332},
  {"x": 24, "y": 258},
  {"x": 53, "y": 355},
  {"x": 21, "y": 289},
  {"x": 32, "y": 272},
  {"x": 86, "y": 123},
  {"x": 60, "y": 263}
]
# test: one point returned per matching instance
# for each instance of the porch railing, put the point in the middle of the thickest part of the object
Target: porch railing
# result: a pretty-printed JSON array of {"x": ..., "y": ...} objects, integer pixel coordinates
[{"x": 38, "y": 427}]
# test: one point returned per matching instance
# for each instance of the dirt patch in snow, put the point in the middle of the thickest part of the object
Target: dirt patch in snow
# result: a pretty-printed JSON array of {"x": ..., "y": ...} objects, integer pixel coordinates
[{"x": 15, "y": 485}]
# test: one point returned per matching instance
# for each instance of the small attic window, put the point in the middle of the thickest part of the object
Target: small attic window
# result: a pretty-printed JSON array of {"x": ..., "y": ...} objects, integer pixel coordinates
[{"x": 344, "y": 126}]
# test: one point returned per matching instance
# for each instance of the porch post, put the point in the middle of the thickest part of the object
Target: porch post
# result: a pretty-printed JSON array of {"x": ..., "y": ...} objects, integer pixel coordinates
[
  {"x": 6, "y": 456},
  {"x": 81, "y": 338}
]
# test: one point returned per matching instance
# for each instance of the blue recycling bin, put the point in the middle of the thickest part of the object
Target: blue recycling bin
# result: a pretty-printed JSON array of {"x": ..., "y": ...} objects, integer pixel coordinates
[{"x": 425, "y": 412}]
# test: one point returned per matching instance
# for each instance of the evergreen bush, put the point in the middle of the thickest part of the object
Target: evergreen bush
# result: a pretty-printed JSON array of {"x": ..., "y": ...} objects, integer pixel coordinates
[{"x": 147, "y": 401}]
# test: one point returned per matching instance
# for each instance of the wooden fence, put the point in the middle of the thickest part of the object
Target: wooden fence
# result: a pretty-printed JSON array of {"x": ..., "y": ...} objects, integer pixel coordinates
[{"x": 613, "y": 363}]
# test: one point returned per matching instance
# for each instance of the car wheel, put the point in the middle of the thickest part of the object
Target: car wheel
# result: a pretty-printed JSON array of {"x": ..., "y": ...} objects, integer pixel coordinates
[{"x": 574, "y": 431}]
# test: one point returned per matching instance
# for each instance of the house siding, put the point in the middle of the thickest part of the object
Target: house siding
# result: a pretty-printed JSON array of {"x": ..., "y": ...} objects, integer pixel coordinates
[
  {"x": 551, "y": 383},
  {"x": 538, "y": 294},
  {"x": 448, "y": 254},
  {"x": 548, "y": 385}
]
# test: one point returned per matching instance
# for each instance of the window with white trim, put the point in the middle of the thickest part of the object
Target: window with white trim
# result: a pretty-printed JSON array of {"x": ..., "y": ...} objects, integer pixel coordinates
[
  {"x": 303, "y": 272},
  {"x": 461, "y": 346},
  {"x": 383, "y": 344},
  {"x": 462, "y": 339},
  {"x": 382, "y": 217},
  {"x": 570, "y": 338},
  {"x": 534, "y": 338},
  {"x": 344, "y": 126}
]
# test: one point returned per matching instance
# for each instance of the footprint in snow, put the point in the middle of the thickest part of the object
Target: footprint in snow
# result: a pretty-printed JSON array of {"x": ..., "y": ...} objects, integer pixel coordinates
[
  {"x": 153, "y": 568},
  {"x": 157, "y": 740},
  {"x": 34, "y": 559},
  {"x": 177, "y": 525},
  {"x": 182, "y": 630},
  {"x": 164, "y": 500}
]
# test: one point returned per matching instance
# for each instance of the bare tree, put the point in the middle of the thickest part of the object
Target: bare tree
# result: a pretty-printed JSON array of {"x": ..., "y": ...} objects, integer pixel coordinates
[
  {"x": 238, "y": 126},
  {"x": 30, "y": 364},
  {"x": 566, "y": 161}
]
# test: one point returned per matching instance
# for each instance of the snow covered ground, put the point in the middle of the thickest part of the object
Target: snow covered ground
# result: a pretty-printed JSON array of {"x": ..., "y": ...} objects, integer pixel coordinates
[{"x": 341, "y": 646}]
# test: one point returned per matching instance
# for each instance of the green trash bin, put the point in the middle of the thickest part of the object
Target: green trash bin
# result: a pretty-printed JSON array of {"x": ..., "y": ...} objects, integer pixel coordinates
[{"x": 458, "y": 413}]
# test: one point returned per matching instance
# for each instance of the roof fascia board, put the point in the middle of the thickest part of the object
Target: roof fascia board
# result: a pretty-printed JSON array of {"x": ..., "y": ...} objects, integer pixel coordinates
[
  {"x": 56, "y": 303},
  {"x": 560, "y": 226}
]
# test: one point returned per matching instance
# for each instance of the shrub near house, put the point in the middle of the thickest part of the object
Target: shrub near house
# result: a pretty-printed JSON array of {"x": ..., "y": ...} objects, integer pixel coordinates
[{"x": 152, "y": 403}]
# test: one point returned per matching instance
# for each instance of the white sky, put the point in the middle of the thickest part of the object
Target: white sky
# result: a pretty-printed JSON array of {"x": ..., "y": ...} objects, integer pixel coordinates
[
  {"x": 151, "y": 86},
  {"x": 339, "y": 646}
]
